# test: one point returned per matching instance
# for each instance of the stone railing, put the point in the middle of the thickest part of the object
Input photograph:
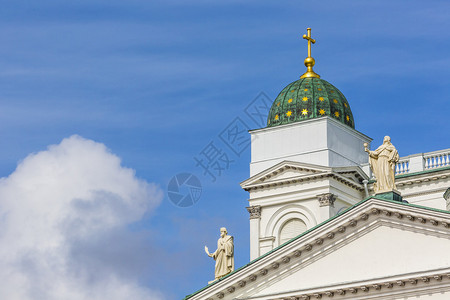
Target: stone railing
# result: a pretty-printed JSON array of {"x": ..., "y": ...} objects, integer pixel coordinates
[{"x": 423, "y": 161}]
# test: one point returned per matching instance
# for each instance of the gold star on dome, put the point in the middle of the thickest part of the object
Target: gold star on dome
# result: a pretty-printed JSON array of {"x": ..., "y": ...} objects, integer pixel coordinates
[
  {"x": 290, "y": 100},
  {"x": 345, "y": 104},
  {"x": 305, "y": 98},
  {"x": 319, "y": 89},
  {"x": 348, "y": 118},
  {"x": 336, "y": 114},
  {"x": 335, "y": 101},
  {"x": 332, "y": 92},
  {"x": 304, "y": 112},
  {"x": 320, "y": 98},
  {"x": 292, "y": 91},
  {"x": 278, "y": 104},
  {"x": 276, "y": 117},
  {"x": 322, "y": 111},
  {"x": 289, "y": 113},
  {"x": 305, "y": 90}
]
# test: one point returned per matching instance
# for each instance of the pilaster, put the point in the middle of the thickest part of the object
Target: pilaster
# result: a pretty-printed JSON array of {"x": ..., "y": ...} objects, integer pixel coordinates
[
  {"x": 255, "y": 217},
  {"x": 326, "y": 202}
]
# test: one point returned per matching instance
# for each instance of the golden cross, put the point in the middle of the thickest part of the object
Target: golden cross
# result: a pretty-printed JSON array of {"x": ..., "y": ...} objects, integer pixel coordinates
[{"x": 310, "y": 40}]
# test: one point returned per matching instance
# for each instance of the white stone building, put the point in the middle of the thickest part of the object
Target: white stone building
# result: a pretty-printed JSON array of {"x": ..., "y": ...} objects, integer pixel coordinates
[{"x": 316, "y": 228}]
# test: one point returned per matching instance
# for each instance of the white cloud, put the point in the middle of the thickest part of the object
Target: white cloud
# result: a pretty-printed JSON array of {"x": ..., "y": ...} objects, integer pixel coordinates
[{"x": 64, "y": 214}]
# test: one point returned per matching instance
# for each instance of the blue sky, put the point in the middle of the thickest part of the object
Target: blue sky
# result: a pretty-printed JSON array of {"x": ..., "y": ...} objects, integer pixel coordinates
[{"x": 156, "y": 82}]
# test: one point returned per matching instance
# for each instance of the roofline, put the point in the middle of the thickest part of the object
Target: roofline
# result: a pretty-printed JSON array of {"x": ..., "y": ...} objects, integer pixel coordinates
[{"x": 312, "y": 229}]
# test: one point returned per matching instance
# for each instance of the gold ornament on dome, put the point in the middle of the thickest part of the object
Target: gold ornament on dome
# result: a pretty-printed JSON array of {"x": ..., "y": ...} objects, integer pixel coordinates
[{"x": 309, "y": 61}]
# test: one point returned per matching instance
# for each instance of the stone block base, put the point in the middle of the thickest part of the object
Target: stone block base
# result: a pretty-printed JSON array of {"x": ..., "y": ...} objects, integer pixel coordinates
[{"x": 393, "y": 195}]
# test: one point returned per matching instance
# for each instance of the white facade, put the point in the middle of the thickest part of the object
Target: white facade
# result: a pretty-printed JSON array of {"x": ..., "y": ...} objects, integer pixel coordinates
[
  {"x": 296, "y": 167},
  {"x": 322, "y": 141}
]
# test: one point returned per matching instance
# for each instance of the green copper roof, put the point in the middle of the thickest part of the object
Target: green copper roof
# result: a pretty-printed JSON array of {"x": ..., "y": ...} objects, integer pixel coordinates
[{"x": 309, "y": 98}]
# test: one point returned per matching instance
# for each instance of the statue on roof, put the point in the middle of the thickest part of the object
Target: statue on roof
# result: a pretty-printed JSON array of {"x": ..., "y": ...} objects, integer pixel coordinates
[
  {"x": 224, "y": 255},
  {"x": 382, "y": 162}
]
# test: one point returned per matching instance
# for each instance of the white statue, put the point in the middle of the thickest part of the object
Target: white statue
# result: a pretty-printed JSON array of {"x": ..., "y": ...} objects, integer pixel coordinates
[
  {"x": 382, "y": 162},
  {"x": 224, "y": 255}
]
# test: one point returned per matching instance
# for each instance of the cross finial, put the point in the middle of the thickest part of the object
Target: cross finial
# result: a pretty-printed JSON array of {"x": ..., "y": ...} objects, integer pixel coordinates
[
  {"x": 309, "y": 61},
  {"x": 310, "y": 40}
]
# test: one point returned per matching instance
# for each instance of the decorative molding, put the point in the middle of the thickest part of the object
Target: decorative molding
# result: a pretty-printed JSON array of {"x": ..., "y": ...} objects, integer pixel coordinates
[
  {"x": 326, "y": 173},
  {"x": 326, "y": 199},
  {"x": 252, "y": 277},
  {"x": 285, "y": 259},
  {"x": 419, "y": 181},
  {"x": 364, "y": 288},
  {"x": 340, "y": 292},
  {"x": 254, "y": 211},
  {"x": 406, "y": 196},
  {"x": 379, "y": 287}
]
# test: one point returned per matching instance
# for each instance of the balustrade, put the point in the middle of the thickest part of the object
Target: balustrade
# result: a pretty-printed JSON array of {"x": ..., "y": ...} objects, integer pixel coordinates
[{"x": 423, "y": 161}]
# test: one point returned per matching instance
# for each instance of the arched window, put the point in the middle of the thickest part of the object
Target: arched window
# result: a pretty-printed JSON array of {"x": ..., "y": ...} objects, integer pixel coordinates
[{"x": 291, "y": 229}]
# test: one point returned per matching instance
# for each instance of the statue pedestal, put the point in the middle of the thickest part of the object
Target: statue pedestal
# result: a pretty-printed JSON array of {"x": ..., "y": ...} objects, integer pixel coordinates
[{"x": 392, "y": 195}]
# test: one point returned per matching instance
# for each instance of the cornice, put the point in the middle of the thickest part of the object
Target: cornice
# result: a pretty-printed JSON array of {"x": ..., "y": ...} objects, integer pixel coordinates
[
  {"x": 423, "y": 179},
  {"x": 423, "y": 193},
  {"x": 372, "y": 289}
]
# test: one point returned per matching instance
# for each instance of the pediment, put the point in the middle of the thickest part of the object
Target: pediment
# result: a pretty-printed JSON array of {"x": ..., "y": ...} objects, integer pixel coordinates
[
  {"x": 285, "y": 171},
  {"x": 376, "y": 243},
  {"x": 353, "y": 173},
  {"x": 289, "y": 172}
]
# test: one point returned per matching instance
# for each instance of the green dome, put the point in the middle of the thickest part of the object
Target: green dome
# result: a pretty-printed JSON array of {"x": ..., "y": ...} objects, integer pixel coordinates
[{"x": 309, "y": 98}]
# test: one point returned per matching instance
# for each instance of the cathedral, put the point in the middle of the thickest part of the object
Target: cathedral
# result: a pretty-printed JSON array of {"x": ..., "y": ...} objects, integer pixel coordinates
[{"x": 323, "y": 224}]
